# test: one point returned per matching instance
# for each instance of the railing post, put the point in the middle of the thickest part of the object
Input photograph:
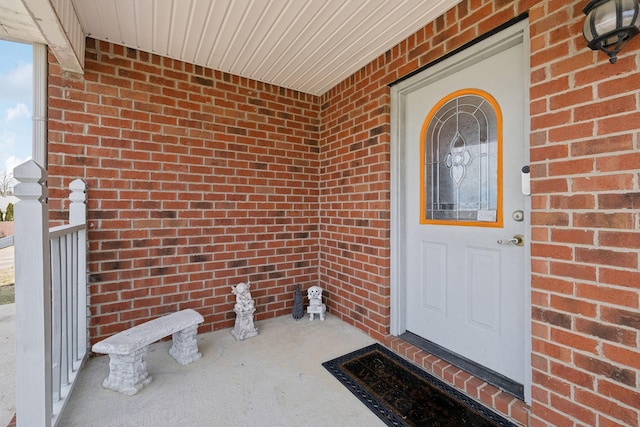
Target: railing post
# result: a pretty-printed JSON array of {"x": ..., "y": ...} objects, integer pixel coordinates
[
  {"x": 33, "y": 297},
  {"x": 78, "y": 215},
  {"x": 77, "y": 208}
]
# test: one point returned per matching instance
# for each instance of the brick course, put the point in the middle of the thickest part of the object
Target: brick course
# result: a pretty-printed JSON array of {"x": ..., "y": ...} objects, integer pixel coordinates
[
  {"x": 584, "y": 141},
  {"x": 601, "y": 137},
  {"x": 199, "y": 179}
]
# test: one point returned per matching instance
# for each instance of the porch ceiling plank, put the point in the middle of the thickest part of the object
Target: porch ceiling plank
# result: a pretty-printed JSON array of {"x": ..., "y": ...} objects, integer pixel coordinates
[
  {"x": 306, "y": 45},
  {"x": 279, "y": 30},
  {"x": 209, "y": 34},
  {"x": 181, "y": 17},
  {"x": 126, "y": 17},
  {"x": 96, "y": 16},
  {"x": 228, "y": 36},
  {"x": 398, "y": 24},
  {"x": 313, "y": 35},
  {"x": 255, "y": 50},
  {"x": 295, "y": 31},
  {"x": 343, "y": 42},
  {"x": 159, "y": 26},
  {"x": 302, "y": 34},
  {"x": 197, "y": 15},
  {"x": 263, "y": 33}
]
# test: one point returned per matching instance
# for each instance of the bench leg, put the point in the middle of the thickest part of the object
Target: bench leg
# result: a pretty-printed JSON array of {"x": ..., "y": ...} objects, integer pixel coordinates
[
  {"x": 127, "y": 373},
  {"x": 185, "y": 346}
]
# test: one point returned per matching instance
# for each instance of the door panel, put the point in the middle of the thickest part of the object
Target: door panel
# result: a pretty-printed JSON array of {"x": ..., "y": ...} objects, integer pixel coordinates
[
  {"x": 464, "y": 290},
  {"x": 434, "y": 291},
  {"x": 484, "y": 289}
]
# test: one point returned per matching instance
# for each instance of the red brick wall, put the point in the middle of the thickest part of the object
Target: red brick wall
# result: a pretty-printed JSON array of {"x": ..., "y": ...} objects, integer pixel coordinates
[
  {"x": 265, "y": 166},
  {"x": 585, "y": 119},
  {"x": 197, "y": 180},
  {"x": 585, "y": 162},
  {"x": 354, "y": 199}
]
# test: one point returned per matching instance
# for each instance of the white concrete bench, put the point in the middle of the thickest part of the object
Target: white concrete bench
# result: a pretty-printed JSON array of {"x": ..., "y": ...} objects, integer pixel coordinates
[{"x": 126, "y": 349}]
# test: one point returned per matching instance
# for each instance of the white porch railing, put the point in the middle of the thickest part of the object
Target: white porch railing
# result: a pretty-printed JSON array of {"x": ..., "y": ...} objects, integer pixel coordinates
[
  {"x": 6, "y": 242},
  {"x": 51, "y": 299}
]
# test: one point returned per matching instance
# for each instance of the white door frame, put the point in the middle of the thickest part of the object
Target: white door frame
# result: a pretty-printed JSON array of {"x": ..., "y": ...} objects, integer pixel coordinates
[{"x": 513, "y": 35}]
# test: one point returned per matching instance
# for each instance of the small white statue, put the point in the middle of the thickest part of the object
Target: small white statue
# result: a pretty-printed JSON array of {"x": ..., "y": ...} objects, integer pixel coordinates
[
  {"x": 314, "y": 293},
  {"x": 244, "y": 302},
  {"x": 244, "y": 308}
]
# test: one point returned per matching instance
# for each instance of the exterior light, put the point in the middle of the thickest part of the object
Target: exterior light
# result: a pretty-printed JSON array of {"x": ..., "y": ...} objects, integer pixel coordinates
[{"x": 610, "y": 24}]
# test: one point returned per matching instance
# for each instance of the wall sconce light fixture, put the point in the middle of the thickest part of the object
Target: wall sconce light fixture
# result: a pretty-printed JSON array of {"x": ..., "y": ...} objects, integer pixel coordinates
[{"x": 610, "y": 24}]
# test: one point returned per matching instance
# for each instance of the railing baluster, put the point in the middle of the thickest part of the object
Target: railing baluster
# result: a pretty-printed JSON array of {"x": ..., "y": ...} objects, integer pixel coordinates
[
  {"x": 74, "y": 311},
  {"x": 78, "y": 216},
  {"x": 64, "y": 367},
  {"x": 56, "y": 314},
  {"x": 6, "y": 242},
  {"x": 73, "y": 267},
  {"x": 70, "y": 308}
]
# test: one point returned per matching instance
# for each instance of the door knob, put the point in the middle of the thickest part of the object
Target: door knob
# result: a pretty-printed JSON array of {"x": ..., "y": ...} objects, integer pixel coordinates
[{"x": 517, "y": 240}]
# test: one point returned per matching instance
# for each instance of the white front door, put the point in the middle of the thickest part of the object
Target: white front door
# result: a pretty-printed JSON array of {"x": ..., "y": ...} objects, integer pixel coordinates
[{"x": 463, "y": 147}]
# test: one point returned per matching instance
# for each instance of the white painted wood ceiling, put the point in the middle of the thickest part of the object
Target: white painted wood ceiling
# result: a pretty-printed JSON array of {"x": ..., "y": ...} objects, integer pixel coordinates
[
  {"x": 17, "y": 24},
  {"x": 306, "y": 45}
]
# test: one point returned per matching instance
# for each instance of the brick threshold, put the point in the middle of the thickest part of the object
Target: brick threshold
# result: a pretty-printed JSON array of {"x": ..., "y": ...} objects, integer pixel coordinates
[{"x": 487, "y": 394}]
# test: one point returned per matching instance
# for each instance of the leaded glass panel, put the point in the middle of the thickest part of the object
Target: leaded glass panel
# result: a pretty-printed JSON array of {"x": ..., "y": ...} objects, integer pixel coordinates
[{"x": 461, "y": 161}]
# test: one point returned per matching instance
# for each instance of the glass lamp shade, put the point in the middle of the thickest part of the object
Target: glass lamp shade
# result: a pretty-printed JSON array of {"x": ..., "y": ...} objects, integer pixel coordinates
[{"x": 610, "y": 24}]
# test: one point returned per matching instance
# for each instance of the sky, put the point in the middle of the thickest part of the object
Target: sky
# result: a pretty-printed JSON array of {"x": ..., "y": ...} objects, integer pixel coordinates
[{"x": 16, "y": 104}]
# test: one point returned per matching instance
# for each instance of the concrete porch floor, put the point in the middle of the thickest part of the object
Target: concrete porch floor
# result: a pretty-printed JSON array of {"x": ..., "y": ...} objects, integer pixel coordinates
[{"x": 275, "y": 378}]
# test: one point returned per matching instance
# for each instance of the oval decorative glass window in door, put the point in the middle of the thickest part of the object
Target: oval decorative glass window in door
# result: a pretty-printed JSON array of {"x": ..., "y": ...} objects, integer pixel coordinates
[{"x": 461, "y": 173}]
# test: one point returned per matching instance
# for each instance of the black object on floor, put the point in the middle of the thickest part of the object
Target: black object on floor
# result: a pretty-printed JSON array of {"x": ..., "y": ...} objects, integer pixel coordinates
[{"x": 401, "y": 394}]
